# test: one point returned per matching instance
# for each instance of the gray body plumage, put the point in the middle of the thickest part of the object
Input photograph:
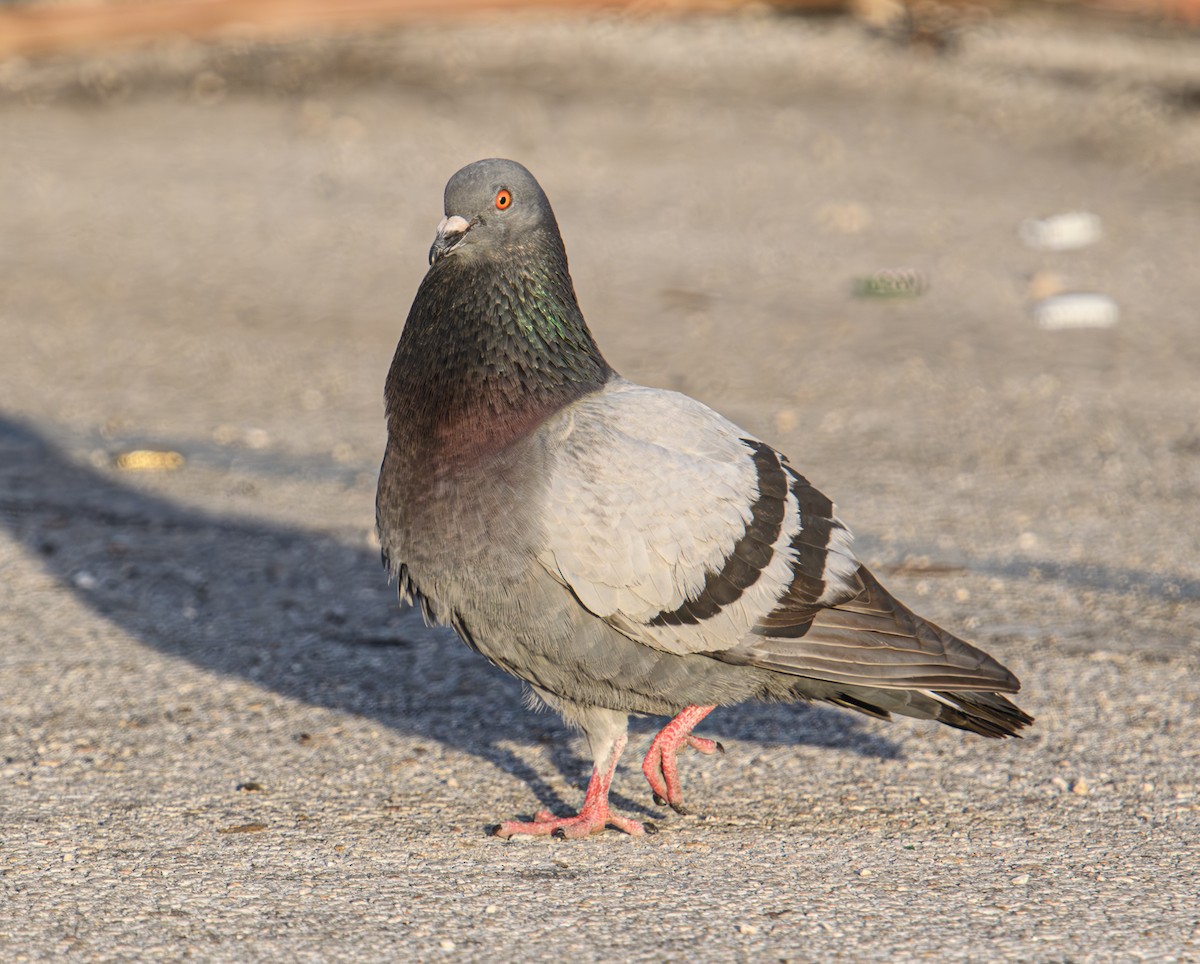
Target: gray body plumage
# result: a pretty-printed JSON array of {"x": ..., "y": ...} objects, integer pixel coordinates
[
  {"x": 622, "y": 549},
  {"x": 474, "y": 545}
]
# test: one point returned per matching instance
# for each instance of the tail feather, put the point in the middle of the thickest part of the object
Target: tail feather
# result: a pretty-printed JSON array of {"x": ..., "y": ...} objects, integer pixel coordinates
[
  {"x": 873, "y": 640},
  {"x": 988, "y": 714}
]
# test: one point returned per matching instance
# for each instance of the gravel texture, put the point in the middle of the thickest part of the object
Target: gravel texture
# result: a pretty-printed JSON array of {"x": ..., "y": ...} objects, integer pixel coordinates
[{"x": 220, "y": 738}]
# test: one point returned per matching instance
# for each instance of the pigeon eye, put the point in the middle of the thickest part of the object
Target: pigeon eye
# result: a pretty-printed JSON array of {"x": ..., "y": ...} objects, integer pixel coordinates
[{"x": 503, "y": 200}]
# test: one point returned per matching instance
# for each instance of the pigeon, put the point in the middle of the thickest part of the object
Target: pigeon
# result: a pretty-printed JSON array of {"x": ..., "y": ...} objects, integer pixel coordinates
[{"x": 624, "y": 550}]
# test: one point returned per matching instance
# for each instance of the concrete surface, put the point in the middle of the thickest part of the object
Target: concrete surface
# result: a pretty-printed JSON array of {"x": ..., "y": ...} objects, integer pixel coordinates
[{"x": 220, "y": 739}]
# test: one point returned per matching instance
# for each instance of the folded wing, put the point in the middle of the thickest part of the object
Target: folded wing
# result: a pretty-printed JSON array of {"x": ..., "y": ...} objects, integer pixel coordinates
[{"x": 689, "y": 535}]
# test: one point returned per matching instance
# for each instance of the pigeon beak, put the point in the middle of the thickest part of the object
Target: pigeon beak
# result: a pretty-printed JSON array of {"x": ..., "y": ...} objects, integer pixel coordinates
[{"x": 449, "y": 233}]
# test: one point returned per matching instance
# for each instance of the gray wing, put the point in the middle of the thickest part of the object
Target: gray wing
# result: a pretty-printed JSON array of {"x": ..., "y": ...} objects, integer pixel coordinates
[{"x": 690, "y": 535}]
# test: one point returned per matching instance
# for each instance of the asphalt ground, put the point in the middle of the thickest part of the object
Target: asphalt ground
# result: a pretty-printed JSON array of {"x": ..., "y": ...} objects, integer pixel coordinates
[{"x": 220, "y": 738}]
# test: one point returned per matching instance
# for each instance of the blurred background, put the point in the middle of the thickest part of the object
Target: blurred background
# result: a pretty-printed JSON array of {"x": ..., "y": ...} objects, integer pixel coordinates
[
  {"x": 944, "y": 254},
  {"x": 957, "y": 234}
]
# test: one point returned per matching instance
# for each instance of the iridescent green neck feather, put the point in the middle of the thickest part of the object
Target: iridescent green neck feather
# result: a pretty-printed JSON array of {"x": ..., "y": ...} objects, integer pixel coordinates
[{"x": 492, "y": 346}]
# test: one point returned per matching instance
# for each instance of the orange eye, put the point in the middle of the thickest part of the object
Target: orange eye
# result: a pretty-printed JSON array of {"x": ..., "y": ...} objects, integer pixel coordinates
[{"x": 503, "y": 200}]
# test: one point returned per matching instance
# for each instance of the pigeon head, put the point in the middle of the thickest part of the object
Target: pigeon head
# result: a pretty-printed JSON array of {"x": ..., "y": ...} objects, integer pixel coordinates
[
  {"x": 494, "y": 208},
  {"x": 495, "y": 341}
]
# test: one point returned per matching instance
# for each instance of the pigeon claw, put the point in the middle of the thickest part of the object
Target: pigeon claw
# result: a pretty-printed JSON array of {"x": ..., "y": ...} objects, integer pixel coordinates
[
  {"x": 701, "y": 745},
  {"x": 594, "y": 816},
  {"x": 676, "y": 806},
  {"x": 661, "y": 765},
  {"x": 588, "y": 821}
]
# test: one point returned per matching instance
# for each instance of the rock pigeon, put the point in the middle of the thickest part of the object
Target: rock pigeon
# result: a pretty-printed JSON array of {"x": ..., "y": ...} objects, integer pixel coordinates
[{"x": 623, "y": 549}]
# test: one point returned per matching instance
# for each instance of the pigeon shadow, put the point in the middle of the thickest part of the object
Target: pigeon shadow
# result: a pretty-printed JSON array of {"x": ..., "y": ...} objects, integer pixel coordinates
[{"x": 306, "y": 614}]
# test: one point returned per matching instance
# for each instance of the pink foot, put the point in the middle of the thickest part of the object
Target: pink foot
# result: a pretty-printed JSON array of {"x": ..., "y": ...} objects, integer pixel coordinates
[
  {"x": 594, "y": 816},
  {"x": 589, "y": 821},
  {"x": 661, "y": 765},
  {"x": 705, "y": 746}
]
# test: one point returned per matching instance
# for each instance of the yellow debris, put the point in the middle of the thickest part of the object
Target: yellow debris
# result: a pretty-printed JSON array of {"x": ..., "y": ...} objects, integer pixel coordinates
[{"x": 149, "y": 460}]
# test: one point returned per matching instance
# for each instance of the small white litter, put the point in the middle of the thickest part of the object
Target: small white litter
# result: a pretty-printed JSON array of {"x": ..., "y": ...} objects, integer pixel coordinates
[
  {"x": 1082, "y": 310},
  {"x": 1061, "y": 232}
]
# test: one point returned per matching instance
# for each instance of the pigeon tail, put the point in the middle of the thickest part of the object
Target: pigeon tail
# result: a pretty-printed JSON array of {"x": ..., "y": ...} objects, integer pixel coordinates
[
  {"x": 987, "y": 714},
  {"x": 873, "y": 640}
]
